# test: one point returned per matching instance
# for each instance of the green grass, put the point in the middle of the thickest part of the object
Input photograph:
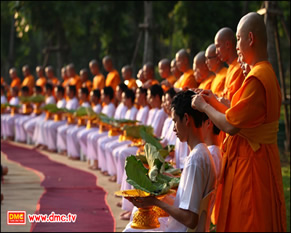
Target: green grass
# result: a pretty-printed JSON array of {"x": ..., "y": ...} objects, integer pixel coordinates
[{"x": 286, "y": 184}]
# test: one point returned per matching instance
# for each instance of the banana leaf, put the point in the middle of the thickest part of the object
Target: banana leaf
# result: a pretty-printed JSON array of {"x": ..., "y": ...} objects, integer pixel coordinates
[
  {"x": 91, "y": 114},
  {"x": 137, "y": 176},
  {"x": 11, "y": 105},
  {"x": 24, "y": 99},
  {"x": 133, "y": 131},
  {"x": 81, "y": 111},
  {"x": 155, "y": 161},
  {"x": 37, "y": 99}
]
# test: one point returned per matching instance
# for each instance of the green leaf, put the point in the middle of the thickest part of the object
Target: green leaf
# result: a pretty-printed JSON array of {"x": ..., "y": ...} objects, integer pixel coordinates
[
  {"x": 155, "y": 160},
  {"x": 81, "y": 111},
  {"x": 149, "y": 138},
  {"x": 37, "y": 99}
]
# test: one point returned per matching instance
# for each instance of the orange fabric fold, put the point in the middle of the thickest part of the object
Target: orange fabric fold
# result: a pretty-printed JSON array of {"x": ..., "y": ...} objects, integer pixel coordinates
[{"x": 217, "y": 85}]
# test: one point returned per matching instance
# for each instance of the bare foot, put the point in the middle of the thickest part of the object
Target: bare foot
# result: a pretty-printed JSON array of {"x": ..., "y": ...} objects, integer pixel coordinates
[
  {"x": 74, "y": 158},
  {"x": 113, "y": 178},
  {"x": 105, "y": 173},
  {"x": 119, "y": 204},
  {"x": 125, "y": 215},
  {"x": 4, "y": 170}
]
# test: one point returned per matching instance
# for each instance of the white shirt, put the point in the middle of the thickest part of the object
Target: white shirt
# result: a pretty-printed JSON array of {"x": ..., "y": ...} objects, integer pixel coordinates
[
  {"x": 3, "y": 99},
  {"x": 50, "y": 100},
  {"x": 61, "y": 103},
  {"x": 158, "y": 122},
  {"x": 97, "y": 108},
  {"x": 131, "y": 113},
  {"x": 166, "y": 129},
  {"x": 120, "y": 111},
  {"x": 14, "y": 101},
  {"x": 217, "y": 158},
  {"x": 197, "y": 180},
  {"x": 86, "y": 104},
  {"x": 142, "y": 115},
  {"x": 181, "y": 152},
  {"x": 109, "y": 110},
  {"x": 72, "y": 104},
  {"x": 151, "y": 115}
]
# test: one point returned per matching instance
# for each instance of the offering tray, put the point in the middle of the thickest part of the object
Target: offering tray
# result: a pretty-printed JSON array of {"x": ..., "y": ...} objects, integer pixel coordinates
[{"x": 145, "y": 218}]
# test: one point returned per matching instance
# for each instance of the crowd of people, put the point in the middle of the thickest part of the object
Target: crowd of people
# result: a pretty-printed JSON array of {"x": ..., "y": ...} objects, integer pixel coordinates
[{"x": 221, "y": 112}]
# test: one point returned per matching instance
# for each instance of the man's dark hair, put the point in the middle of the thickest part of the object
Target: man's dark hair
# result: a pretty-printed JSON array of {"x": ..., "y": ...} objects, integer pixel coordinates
[
  {"x": 61, "y": 89},
  {"x": 84, "y": 90},
  {"x": 216, "y": 130},
  {"x": 143, "y": 90},
  {"x": 108, "y": 91},
  {"x": 130, "y": 94},
  {"x": 171, "y": 92},
  {"x": 49, "y": 86},
  {"x": 96, "y": 93},
  {"x": 157, "y": 90},
  {"x": 122, "y": 87},
  {"x": 38, "y": 89},
  {"x": 25, "y": 89},
  {"x": 73, "y": 89},
  {"x": 182, "y": 104},
  {"x": 2, "y": 88}
]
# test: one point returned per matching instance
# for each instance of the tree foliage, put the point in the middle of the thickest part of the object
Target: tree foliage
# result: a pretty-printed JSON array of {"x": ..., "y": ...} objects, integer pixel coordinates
[{"x": 86, "y": 30}]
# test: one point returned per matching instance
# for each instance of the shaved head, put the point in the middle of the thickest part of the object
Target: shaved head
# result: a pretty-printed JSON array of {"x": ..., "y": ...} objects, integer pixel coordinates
[
  {"x": 226, "y": 34},
  {"x": 164, "y": 68},
  {"x": 200, "y": 68},
  {"x": 182, "y": 60},
  {"x": 199, "y": 59},
  {"x": 107, "y": 63},
  {"x": 253, "y": 22},
  {"x": 210, "y": 51},
  {"x": 93, "y": 63}
]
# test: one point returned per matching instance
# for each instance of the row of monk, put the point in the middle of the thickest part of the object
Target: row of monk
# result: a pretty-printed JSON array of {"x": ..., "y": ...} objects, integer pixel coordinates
[{"x": 222, "y": 119}]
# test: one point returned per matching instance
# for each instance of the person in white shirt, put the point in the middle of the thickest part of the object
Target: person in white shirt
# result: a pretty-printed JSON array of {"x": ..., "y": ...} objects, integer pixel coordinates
[
  {"x": 154, "y": 98},
  {"x": 198, "y": 177},
  {"x": 108, "y": 163},
  {"x": 73, "y": 145},
  {"x": 38, "y": 134},
  {"x": 20, "y": 134},
  {"x": 48, "y": 124},
  {"x": 72, "y": 104},
  {"x": 7, "y": 120},
  {"x": 82, "y": 134},
  {"x": 109, "y": 110},
  {"x": 141, "y": 117},
  {"x": 52, "y": 128},
  {"x": 3, "y": 96}
]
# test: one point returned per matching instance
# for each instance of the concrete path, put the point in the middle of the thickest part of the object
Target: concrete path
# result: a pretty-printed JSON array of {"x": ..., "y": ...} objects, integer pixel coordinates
[{"x": 21, "y": 189}]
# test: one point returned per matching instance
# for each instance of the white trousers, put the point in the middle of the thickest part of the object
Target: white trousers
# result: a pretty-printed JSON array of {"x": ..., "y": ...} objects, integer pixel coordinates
[
  {"x": 51, "y": 131},
  {"x": 73, "y": 145}
]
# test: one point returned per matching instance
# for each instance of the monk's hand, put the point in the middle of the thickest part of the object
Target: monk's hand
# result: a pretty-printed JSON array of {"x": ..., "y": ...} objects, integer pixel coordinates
[
  {"x": 198, "y": 102},
  {"x": 166, "y": 83},
  {"x": 224, "y": 101},
  {"x": 142, "y": 202},
  {"x": 209, "y": 97}
]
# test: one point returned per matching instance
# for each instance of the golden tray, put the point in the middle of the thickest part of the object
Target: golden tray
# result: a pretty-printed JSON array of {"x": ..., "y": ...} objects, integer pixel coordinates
[{"x": 145, "y": 218}]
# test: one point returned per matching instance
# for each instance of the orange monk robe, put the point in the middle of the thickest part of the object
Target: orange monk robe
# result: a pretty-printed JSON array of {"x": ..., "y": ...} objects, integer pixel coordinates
[
  {"x": 16, "y": 82},
  {"x": 171, "y": 79},
  {"x": 252, "y": 195},
  {"x": 233, "y": 81},
  {"x": 98, "y": 82},
  {"x": 131, "y": 83},
  {"x": 54, "y": 81},
  {"x": 28, "y": 81},
  {"x": 88, "y": 84},
  {"x": 218, "y": 82},
  {"x": 75, "y": 81},
  {"x": 186, "y": 80},
  {"x": 41, "y": 82},
  {"x": 206, "y": 83},
  {"x": 112, "y": 79},
  {"x": 2, "y": 81}
]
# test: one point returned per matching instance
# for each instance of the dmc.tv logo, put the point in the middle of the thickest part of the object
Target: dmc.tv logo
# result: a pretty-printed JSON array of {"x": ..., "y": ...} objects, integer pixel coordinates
[{"x": 16, "y": 217}]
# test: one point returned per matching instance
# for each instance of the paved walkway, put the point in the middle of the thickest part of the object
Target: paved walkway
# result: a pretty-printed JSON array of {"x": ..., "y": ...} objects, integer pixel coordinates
[{"x": 21, "y": 189}]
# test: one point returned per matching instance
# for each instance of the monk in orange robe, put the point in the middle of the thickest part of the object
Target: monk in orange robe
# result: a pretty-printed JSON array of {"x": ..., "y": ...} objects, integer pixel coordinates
[
  {"x": 252, "y": 196},
  {"x": 28, "y": 79},
  {"x": 129, "y": 81},
  {"x": 216, "y": 66},
  {"x": 165, "y": 72},
  {"x": 65, "y": 77},
  {"x": 49, "y": 72},
  {"x": 149, "y": 75},
  {"x": 98, "y": 80},
  {"x": 41, "y": 81},
  {"x": 16, "y": 82},
  {"x": 74, "y": 79},
  {"x": 225, "y": 43},
  {"x": 112, "y": 78},
  {"x": 174, "y": 69},
  {"x": 202, "y": 74},
  {"x": 187, "y": 80},
  {"x": 84, "y": 76}
]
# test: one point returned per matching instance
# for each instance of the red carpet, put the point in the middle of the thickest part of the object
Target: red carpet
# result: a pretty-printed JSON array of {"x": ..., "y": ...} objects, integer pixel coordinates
[{"x": 67, "y": 190}]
